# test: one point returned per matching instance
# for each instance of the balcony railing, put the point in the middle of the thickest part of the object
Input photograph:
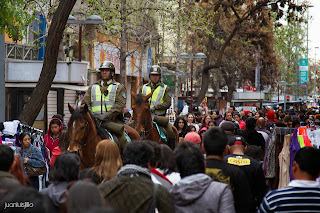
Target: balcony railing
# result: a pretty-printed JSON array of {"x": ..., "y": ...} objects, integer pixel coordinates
[{"x": 20, "y": 51}]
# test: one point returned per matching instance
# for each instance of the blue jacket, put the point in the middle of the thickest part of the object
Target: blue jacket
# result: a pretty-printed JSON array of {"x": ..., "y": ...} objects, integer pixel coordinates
[{"x": 35, "y": 158}]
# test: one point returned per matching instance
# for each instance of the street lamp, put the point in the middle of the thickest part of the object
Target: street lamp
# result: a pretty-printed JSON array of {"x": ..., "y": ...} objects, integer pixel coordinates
[
  {"x": 93, "y": 19},
  {"x": 186, "y": 56},
  {"x": 315, "y": 74}
]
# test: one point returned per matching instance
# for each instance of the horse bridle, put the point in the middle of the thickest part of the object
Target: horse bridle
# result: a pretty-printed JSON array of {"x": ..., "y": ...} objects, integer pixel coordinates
[
  {"x": 82, "y": 144},
  {"x": 145, "y": 133}
]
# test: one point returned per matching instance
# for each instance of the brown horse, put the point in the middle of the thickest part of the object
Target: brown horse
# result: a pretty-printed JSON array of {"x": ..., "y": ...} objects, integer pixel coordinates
[
  {"x": 85, "y": 135},
  {"x": 142, "y": 119}
]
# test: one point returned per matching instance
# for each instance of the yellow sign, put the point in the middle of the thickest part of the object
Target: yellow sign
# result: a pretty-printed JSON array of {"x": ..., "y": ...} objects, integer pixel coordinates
[{"x": 238, "y": 161}]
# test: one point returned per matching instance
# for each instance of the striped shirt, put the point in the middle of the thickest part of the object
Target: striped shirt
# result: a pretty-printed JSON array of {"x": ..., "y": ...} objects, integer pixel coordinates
[{"x": 298, "y": 196}]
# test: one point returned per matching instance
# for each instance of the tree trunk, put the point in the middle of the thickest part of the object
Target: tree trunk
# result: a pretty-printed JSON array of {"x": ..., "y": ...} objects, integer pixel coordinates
[
  {"x": 48, "y": 72},
  {"x": 204, "y": 83},
  {"x": 231, "y": 87},
  {"x": 123, "y": 45}
]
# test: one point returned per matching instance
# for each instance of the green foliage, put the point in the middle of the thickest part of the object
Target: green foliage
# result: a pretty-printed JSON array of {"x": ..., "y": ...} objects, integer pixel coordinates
[{"x": 13, "y": 17}]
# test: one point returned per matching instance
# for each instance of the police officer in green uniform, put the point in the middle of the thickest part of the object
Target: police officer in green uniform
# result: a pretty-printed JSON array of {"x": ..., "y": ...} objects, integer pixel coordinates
[
  {"x": 160, "y": 100},
  {"x": 107, "y": 99}
]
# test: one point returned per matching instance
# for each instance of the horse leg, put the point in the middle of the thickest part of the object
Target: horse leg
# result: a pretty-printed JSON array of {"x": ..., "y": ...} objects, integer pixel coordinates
[{"x": 132, "y": 133}]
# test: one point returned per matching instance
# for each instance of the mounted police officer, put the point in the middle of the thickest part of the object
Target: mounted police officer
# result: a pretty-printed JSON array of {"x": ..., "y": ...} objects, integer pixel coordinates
[
  {"x": 160, "y": 101},
  {"x": 107, "y": 99}
]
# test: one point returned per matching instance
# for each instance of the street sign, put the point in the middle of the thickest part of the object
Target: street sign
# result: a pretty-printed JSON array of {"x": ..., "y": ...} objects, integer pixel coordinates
[{"x": 303, "y": 72}]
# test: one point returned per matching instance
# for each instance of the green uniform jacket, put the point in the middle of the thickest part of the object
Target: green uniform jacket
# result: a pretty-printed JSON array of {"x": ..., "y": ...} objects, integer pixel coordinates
[
  {"x": 166, "y": 97},
  {"x": 135, "y": 194},
  {"x": 120, "y": 100}
]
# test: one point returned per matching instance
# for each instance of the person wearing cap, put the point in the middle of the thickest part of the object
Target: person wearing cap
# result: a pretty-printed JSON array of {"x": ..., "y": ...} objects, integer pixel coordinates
[
  {"x": 192, "y": 137},
  {"x": 160, "y": 100},
  {"x": 110, "y": 110},
  {"x": 251, "y": 168}
]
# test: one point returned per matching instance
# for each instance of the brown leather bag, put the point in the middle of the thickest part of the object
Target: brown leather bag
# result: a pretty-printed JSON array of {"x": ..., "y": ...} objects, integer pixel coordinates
[{"x": 34, "y": 171}]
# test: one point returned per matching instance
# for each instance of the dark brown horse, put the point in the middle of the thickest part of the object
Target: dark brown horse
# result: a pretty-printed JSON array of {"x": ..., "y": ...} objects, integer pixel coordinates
[
  {"x": 143, "y": 122},
  {"x": 85, "y": 135}
]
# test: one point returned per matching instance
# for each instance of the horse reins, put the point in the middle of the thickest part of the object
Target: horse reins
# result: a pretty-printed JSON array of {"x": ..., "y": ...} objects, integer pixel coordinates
[{"x": 145, "y": 131}]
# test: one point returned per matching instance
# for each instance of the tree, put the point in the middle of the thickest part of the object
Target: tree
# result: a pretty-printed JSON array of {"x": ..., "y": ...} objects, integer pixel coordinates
[
  {"x": 48, "y": 72},
  {"x": 219, "y": 24}
]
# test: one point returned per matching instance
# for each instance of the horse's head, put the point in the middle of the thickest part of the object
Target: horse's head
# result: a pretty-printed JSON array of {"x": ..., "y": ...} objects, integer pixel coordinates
[
  {"x": 141, "y": 111},
  {"x": 78, "y": 127}
]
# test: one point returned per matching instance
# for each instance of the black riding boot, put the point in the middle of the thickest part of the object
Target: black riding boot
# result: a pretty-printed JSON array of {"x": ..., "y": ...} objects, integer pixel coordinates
[{"x": 172, "y": 143}]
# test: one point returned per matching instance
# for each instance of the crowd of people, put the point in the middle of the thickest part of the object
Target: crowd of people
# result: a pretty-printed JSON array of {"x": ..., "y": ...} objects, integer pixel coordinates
[{"x": 216, "y": 167}]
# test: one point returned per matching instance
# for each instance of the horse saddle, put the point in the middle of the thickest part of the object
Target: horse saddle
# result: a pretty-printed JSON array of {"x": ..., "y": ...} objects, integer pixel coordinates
[
  {"x": 162, "y": 131},
  {"x": 114, "y": 138}
]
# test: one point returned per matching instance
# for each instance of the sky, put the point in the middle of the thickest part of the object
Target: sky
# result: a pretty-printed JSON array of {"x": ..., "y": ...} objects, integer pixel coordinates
[{"x": 314, "y": 29}]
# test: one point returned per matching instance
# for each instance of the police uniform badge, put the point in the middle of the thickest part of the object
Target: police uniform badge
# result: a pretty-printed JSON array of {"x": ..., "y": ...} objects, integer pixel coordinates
[{"x": 124, "y": 95}]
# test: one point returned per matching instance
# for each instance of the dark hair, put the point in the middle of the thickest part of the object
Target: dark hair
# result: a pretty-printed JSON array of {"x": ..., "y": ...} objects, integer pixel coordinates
[
  {"x": 6, "y": 157},
  {"x": 251, "y": 123},
  {"x": 190, "y": 127},
  {"x": 22, "y": 135},
  {"x": 176, "y": 123},
  {"x": 127, "y": 115},
  {"x": 308, "y": 159},
  {"x": 225, "y": 114},
  {"x": 79, "y": 202},
  {"x": 232, "y": 107},
  {"x": 138, "y": 153},
  {"x": 26, "y": 195},
  {"x": 227, "y": 126},
  {"x": 66, "y": 167},
  {"x": 214, "y": 122},
  {"x": 64, "y": 140},
  {"x": 215, "y": 141},
  {"x": 167, "y": 161},
  {"x": 58, "y": 116},
  {"x": 189, "y": 159},
  {"x": 295, "y": 122},
  {"x": 56, "y": 121},
  {"x": 156, "y": 155},
  {"x": 255, "y": 152}
]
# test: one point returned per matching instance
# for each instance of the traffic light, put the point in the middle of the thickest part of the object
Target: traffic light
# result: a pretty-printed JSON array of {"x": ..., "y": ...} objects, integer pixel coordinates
[{"x": 288, "y": 97}]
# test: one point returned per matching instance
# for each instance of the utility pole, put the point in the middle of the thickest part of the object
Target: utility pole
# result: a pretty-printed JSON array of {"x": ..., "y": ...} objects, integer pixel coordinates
[
  {"x": 176, "y": 82},
  {"x": 2, "y": 81}
]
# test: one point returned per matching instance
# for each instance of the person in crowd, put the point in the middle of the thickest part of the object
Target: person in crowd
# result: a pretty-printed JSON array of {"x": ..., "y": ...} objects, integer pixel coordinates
[
  {"x": 7, "y": 181},
  {"x": 232, "y": 109},
  {"x": 201, "y": 132},
  {"x": 252, "y": 136},
  {"x": 191, "y": 128},
  {"x": 51, "y": 139},
  {"x": 156, "y": 176},
  {"x": 127, "y": 118},
  {"x": 258, "y": 115},
  {"x": 193, "y": 137},
  {"x": 181, "y": 126},
  {"x": 192, "y": 121},
  {"x": 228, "y": 128},
  {"x": 133, "y": 179},
  {"x": 23, "y": 199},
  {"x": 17, "y": 171},
  {"x": 246, "y": 115},
  {"x": 228, "y": 117},
  {"x": 196, "y": 191},
  {"x": 212, "y": 123},
  {"x": 260, "y": 129},
  {"x": 288, "y": 121},
  {"x": 215, "y": 147},
  {"x": 31, "y": 155},
  {"x": 270, "y": 120},
  {"x": 237, "y": 117},
  {"x": 303, "y": 193},
  {"x": 216, "y": 116},
  {"x": 160, "y": 100},
  {"x": 64, "y": 126},
  {"x": 167, "y": 164},
  {"x": 205, "y": 121},
  {"x": 251, "y": 168},
  {"x": 62, "y": 147},
  {"x": 256, "y": 153},
  {"x": 296, "y": 123},
  {"x": 106, "y": 164},
  {"x": 64, "y": 171},
  {"x": 78, "y": 200},
  {"x": 109, "y": 111}
]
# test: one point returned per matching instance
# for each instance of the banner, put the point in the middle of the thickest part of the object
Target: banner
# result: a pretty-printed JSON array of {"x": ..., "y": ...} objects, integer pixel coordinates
[{"x": 303, "y": 72}]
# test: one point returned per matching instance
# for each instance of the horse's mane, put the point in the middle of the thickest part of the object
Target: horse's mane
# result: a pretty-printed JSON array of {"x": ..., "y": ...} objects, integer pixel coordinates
[
  {"x": 139, "y": 99},
  {"x": 77, "y": 115}
]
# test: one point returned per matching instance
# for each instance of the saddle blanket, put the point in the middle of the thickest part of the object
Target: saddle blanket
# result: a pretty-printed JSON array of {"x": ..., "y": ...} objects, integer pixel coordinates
[{"x": 161, "y": 133}]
